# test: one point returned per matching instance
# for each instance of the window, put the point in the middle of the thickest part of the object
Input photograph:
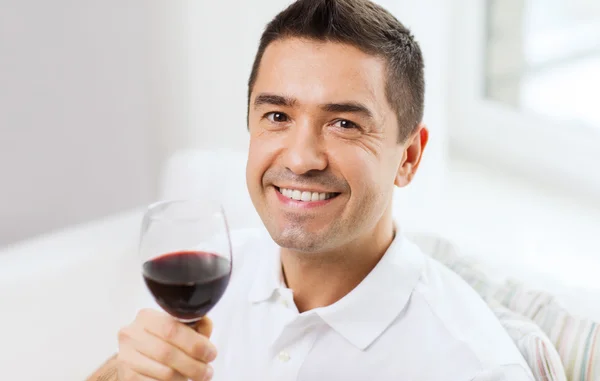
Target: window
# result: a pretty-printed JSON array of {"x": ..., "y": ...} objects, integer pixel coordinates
[
  {"x": 546, "y": 63},
  {"x": 526, "y": 88}
]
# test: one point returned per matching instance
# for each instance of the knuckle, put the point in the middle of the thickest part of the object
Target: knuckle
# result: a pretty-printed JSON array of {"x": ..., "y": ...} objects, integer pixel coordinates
[
  {"x": 124, "y": 334},
  {"x": 143, "y": 314},
  {"x": 140, "y": 314},
  {"x": 124, "y": 361},
  {"x": 126, "y": 374},
  {"x": 164, "y": 354},
  {"x": 167, "y": 373},
  {"x": 206, "y": 350},
  {"x": 198, "y": 350},
  {"x": 199, "y": 373},
  {"x": 170, "y": 329}
]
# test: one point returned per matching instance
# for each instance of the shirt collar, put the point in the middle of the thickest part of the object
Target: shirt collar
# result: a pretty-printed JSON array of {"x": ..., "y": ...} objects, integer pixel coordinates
[
  {"x": 370, "y": 308},
  {"x": 367, "y": 311}
]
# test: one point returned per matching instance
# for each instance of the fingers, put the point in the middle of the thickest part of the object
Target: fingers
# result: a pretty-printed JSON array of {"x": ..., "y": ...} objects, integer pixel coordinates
[
  {"x": 179, "y": 335},
  {"x": 127, "y": 374},
  {"x": 158, "y": 351},
  {"x": 204, "y": 327},
  {"x": 158, "y": 347},
  {"x": 138, "y": 367}
]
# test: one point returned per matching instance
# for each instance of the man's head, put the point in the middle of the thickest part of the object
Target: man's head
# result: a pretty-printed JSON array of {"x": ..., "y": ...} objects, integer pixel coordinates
[
  {"x": 368, "y": 27},
  {"x": 335, "y": 102}
]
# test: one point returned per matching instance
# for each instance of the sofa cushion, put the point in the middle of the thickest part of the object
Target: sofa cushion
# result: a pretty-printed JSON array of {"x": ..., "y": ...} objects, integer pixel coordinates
[
  {"x": 522, "y": 299},
  {"x": 576, "y": 339},
  {"x": 535, "y": 346}
]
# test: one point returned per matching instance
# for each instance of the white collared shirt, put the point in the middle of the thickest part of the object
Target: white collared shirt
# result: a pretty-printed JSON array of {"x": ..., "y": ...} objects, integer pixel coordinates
[{"x": 410, "y": 319}]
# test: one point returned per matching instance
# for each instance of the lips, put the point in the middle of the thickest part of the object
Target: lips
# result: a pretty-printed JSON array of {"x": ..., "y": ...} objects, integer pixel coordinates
[{"x": 305, "y": 196}]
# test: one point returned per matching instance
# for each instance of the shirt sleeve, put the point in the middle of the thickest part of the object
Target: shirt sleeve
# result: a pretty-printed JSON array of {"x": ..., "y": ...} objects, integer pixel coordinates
[{"x": 513, "y": 372}]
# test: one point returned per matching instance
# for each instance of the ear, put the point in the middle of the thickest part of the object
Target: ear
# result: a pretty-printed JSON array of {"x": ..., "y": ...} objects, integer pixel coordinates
[{"x": 411, "y": 157}]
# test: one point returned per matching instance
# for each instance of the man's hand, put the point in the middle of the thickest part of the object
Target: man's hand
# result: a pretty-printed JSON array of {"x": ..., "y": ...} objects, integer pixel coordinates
[{"x": 158, "y": 347}]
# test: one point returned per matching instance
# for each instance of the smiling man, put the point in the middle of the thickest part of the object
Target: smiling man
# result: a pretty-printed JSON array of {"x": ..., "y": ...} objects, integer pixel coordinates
[{"x": 331, "y": 290}]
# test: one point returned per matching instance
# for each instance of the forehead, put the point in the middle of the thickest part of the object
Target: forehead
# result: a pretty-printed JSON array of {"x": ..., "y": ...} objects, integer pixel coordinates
[{"x": 319, "y": 72}]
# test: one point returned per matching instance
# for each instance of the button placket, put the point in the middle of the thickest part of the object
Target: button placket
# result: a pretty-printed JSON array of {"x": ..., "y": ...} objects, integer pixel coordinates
[{"x": 291, "y": 349}]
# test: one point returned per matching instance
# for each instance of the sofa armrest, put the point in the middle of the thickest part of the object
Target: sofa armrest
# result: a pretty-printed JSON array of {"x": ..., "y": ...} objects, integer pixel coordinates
[{"x": 64, "y": 296}]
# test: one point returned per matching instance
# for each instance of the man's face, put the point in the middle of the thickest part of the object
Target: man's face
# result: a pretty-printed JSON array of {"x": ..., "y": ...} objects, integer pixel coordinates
[{"x": 324, "y": 152}]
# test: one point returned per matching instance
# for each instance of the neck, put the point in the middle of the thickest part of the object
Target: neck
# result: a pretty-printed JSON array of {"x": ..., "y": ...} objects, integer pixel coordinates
[{"x": 321, "y": 279}]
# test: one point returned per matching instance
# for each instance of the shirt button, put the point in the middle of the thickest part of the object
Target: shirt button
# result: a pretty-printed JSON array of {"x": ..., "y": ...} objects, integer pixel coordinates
[
  {"x": 282, "y": 300},
  {"x": 284, "y": 356}
]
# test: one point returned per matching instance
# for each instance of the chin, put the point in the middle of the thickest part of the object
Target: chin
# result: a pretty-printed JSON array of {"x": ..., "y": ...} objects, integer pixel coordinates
[{"x": 300, "y": 239}]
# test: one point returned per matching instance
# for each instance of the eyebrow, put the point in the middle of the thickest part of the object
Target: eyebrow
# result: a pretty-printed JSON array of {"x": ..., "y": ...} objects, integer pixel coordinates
[
  {"x": 350, "y": 107},
  {"x": 274, "y": 100},
  {"x": 283, "y": 101}
]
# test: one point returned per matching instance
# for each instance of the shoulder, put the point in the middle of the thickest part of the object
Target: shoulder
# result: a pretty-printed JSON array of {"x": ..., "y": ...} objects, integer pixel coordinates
[{"x": 462, "y": 318}]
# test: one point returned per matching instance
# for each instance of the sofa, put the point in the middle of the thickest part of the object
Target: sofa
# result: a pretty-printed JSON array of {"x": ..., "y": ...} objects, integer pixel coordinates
[{"x": 65, "y": 294}]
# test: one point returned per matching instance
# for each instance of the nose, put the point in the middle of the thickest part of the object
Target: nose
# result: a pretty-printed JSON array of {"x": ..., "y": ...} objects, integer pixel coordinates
[{"x": 305, "y": 151}]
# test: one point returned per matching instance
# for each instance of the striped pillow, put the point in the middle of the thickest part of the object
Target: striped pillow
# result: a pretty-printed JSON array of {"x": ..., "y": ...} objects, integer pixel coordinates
[
  {"x": 522, "y": 300},
  {"x": 534, "y": 345},
  {"x": 577, "y": 340}
]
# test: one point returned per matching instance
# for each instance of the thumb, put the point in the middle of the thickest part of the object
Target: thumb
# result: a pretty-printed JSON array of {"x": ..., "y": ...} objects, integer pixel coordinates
[{"x": 204, "y": 326}]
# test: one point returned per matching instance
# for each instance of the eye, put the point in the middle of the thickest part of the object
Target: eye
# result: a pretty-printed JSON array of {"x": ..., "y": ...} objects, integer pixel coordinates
[
  {"x": 345, "y": 124},
  {"x": 277, "y": 117}
]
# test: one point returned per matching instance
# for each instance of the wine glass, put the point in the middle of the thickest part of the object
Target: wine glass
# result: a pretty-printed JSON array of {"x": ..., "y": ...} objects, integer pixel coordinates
[{"x": 185, "y": 251}]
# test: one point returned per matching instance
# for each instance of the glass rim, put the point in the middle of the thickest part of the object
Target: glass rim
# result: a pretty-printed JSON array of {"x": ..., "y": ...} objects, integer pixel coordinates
[{"x": 151, "y": 212}]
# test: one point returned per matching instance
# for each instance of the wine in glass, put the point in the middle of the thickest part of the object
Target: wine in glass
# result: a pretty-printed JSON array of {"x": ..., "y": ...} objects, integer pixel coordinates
[{"x": 185, "y": 251}]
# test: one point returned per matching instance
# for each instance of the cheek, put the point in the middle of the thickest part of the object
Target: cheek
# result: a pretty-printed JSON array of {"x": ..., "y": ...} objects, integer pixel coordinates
[
  {"x": 357, "y": 166},
  {"x": 370, "y": 177}
]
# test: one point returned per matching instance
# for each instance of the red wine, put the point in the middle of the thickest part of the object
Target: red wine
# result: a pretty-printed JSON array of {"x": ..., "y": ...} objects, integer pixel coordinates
[{"x": 187, "y": 284}]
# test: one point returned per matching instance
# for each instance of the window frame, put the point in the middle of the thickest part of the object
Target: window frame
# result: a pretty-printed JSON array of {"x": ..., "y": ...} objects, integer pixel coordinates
[{"x": 557, "y": 154}]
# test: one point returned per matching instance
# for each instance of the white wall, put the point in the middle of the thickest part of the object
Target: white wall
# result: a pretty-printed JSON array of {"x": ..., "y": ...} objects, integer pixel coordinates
[
  {"x": 77, "y": 113},
  {"x": 213, "y": 57},
  {"x": 428, "y": 20}
]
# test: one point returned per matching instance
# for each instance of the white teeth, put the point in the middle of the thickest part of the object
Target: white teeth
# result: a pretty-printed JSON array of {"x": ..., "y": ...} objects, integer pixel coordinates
[{"x": 305, "y": 196}]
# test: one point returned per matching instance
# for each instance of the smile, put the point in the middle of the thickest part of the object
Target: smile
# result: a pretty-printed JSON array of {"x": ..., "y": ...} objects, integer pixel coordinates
[{"x": 305, "y": 196}]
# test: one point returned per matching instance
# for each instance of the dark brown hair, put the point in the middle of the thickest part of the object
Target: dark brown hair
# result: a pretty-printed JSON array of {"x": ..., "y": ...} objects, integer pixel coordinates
[{"x": 368, "y": 27}]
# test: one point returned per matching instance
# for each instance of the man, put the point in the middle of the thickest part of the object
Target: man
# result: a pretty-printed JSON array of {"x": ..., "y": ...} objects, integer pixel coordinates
[{"x": 333, "y": 291}]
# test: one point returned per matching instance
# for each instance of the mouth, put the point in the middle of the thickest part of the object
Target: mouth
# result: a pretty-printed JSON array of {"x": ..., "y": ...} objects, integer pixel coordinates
[{"x": 306, "y": 196}]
